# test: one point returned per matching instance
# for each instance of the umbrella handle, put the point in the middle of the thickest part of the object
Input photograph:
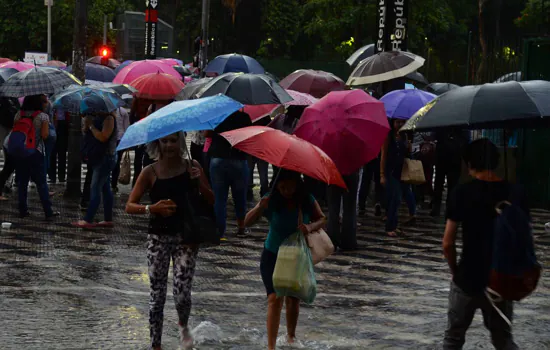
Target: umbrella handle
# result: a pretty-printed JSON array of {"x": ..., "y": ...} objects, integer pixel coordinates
[{"x": 275, "y": 180}]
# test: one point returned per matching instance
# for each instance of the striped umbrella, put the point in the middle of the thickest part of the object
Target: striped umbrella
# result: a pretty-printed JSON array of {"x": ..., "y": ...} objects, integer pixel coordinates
[
  {"x": 37, "y": 81},
  {"x": 384, "y": 66}
]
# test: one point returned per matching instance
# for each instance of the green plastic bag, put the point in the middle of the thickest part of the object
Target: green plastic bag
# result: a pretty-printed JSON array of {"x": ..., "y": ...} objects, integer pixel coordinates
[{"x": 294, "y": 275}]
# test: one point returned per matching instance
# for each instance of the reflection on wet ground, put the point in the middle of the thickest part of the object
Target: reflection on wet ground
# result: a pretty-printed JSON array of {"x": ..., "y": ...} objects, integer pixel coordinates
[{"x": 68, "y": 289}]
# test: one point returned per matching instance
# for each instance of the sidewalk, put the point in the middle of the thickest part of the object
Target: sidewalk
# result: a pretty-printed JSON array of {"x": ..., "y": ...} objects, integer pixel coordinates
[{"x": 63, "y": 288}]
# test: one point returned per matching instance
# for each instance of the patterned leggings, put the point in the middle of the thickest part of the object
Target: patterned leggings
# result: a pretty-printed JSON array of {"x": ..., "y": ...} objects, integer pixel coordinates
[{"x": 159, "y": 251}]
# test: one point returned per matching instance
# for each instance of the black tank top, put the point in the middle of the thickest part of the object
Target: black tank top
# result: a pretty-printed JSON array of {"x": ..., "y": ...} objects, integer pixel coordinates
[{"x": 176, "y": 188}]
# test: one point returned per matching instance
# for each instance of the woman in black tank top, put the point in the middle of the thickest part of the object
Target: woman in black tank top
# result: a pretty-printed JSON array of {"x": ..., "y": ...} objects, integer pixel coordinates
[{"x": 169, "y": 181}]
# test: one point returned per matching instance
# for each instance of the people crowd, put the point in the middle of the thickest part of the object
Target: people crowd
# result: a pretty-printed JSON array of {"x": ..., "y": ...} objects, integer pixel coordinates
[{"x": 170, "y": 174}]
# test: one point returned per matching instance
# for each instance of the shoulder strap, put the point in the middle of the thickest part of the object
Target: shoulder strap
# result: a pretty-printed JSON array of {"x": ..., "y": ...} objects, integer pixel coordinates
[
  {"x": 154, "y": 171},
  {"x": 36, "y": 113}
]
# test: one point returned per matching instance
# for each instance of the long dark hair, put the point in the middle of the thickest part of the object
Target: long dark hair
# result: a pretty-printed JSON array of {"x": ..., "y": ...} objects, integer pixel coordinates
[
  {"x": 301, "y": 195},
  {"x": 32, "y": 103}
]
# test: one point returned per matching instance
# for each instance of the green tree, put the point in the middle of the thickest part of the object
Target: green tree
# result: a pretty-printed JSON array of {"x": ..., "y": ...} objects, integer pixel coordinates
[{"x": 281, "y": 21}]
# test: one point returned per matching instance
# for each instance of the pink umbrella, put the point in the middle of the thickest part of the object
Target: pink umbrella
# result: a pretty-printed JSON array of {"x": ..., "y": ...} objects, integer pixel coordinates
[
  {"x": 4, "y": 60},
  {"x": 20, "y": 66},
  {"x": 300, "y": 99},
  {"x": 257, "y": 112},
  {"x": 314, "y": 82},
  {"x": 55, "y": 64},
  {"x": 136, "y": 69},
  {"x": 350, "y": 126},
  {"x": 170, "y": 61}
]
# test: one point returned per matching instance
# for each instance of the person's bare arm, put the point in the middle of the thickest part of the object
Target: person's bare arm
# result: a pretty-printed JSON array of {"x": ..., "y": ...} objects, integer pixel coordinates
[
  {"x": 318, "y": 219},
  {"x": 255, "y": 213},
  {"x": 143, "y": 184},
  {"x": 108, "y": 128},
  {"x": 44, "y": 130},
  {"x": 449, "y": 244}
]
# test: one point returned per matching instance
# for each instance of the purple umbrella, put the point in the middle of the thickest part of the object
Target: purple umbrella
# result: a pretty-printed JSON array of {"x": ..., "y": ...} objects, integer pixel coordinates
[{"x": 403, "y": 104}]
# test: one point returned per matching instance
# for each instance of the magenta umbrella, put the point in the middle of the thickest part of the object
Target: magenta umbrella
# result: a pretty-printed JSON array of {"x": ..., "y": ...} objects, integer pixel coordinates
[
  {"x": 20, "y": 66},
  {"x": 300, "y": 99},
  {"x": 136, "y": 69},
  {"x": 314, "y": 82},
  {"x": 350, "y": 126}
]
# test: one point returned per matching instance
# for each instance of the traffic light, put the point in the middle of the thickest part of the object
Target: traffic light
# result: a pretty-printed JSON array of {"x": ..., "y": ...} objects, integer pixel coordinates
[{"x": 105, "y": 54}]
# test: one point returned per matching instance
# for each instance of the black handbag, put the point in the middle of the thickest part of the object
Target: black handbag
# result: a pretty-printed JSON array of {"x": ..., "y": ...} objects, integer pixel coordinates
[{"x": 202, "y": 221}]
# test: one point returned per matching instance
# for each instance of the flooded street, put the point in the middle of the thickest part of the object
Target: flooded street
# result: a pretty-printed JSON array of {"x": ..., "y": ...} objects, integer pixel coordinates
[{"x": 62, "y": 288}]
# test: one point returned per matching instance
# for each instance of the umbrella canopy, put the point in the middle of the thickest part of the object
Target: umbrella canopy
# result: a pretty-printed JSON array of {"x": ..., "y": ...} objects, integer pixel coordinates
[
  {"x": 501, "y": 105},
  {"x": 300, "y": 99},
  {"x": 122, "y": 65},
  {"x": 257, "y": 112},
  {"x": 361, "y": 54},
  {"x": 272, "y": 76},
  {"x": 4, "y": 60},
  {"x": 285, "y": 151},
  {"x": 120, "y": 89},
  {"x": 97, "y": 72},
  {"x": 515, "y": 76},
  {"x": 234, "y": 63},
  {"x": 20, "y": 66},
  {"x": 157, "y": 86},
  {"x": 314, "y": 82},
  {"x": 136, "y": 69},
  {"x": 77, "y": 99},
  {"x": 5, "y": 73},
  {"x": 417, "y": 77},
  {"x": 55, "y": 64},
  {"x": 170, "y": 61},
  {"x": 111, "y": 62},
  {"x": 440, "y": 88},
  {"x": 403, "y": 104},
  {"x": 384, "y": 66},
  {"x": 37, "y": 81},
  {"x": 190, "y": 115},
  {"x": 192, "y": 88},
  {"x": 183, "y": 71},
  {"x": 350, "y": 126},
  {"x": 248, "y": 89}
]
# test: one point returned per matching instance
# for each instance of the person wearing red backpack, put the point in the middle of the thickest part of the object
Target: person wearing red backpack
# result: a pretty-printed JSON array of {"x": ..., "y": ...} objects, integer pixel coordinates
[
  {"x": 473, "y": 205},
  {"x": 26, "y": 143}
]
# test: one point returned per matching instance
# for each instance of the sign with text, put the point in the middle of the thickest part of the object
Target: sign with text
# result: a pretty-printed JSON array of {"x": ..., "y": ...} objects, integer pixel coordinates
[
  {"x": 391, "y": 25},
  {"x": 36, "y": 57},
  {"x": 151, "y": 22}
]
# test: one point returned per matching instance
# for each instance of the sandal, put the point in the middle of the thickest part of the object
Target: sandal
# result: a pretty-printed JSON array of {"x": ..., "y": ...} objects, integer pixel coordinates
[
  {"x": 106, "y": 224},
  {"x": 83, "y": 224}
]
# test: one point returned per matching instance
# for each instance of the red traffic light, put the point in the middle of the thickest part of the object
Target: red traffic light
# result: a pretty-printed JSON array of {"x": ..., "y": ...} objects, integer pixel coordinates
[{"x": 105, "y": 52}]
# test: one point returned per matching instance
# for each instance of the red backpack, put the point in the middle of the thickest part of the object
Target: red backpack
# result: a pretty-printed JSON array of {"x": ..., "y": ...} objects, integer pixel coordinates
[{"x": 22, "y": 142}]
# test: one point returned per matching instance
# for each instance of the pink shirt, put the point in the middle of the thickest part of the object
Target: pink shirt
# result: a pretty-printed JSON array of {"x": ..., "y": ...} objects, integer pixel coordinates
[{"x": 207, "y": 144}]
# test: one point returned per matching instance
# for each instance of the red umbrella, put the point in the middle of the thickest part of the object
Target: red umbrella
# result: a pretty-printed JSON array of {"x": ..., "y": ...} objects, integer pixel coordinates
[
  {"x": 157, "y": 86},
  {"x": 136, "y": 69},
  {"x": 4, "y": 60},
  {"x": 285, "y": 151},
  {"x": 55, "y": 64},
  {"x": 314, "y": 82},
  {"x": 257, "y": 112},
  {"x": 350, "y": 126}
]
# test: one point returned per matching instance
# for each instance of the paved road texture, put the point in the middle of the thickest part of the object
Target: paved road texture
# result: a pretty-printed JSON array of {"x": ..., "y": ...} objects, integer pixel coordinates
[{"x": 62, "y": 288}]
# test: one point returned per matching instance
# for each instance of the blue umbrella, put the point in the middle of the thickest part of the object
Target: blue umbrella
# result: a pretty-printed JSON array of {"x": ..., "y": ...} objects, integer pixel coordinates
[
  {"x": 122, "y": 65},
  {"x": 190, "y": 115},
  {"x": 234, "y": 63},
  {"x": 97, "y": 72},
  {"x": 403, "y": 104},
  {"x": 87, "y": 99}
]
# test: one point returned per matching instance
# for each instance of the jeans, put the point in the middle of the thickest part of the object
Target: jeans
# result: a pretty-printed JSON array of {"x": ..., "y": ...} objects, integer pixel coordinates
[
  {"x": 87, "y": 186},
  {"x": 58, "y": 158},
  {"x": 33, "y": 168},
  {"x": 226, "y": 173},
  {"x": 116, "y": 170},
  {"x": 371, "y": 172},
  {"x": 451, "y": 170},
  {"x": 262, "y": 169},
  {"x": 7, "y": 171},
  {"x": 395, "y": 190},
  {"x": 101, "y": 185},
  {"x": 462, "y": 308},
  {"x": 345, "y": 236}
]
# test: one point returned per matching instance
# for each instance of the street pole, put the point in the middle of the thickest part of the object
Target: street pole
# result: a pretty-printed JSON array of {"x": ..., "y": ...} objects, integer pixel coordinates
[
  {"x": 204, "y": 36},
  {"x": 468, "y": 58},
  {"x": 49, "y": 29},
  {"x": 104, "y": 30},
  {"x": 75, "y": 134}
]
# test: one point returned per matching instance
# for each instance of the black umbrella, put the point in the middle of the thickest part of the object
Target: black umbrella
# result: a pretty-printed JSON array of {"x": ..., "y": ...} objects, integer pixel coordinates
[
  {"x": 361, "y": 54},
  {"x": 183, "y": 71},
  {"x": 384, "y": 66},
  {"x": 5, "y": 73},
  {"x": 489, "y": 106},
  {"x": 440, "y": 88},
  {"x": 417, "y": 78},
  {"x": 248, "y": 89},
  {"x": 191, "y": 88}
]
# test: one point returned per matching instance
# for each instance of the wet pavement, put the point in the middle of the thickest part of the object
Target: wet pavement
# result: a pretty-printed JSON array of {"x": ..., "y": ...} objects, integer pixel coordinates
[{"x": 62, "y": 288}]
